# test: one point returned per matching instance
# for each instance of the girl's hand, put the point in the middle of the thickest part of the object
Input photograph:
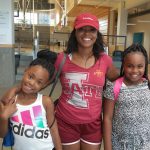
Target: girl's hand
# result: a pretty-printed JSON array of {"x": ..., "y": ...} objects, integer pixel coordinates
[{"x": 6, "y": 110}]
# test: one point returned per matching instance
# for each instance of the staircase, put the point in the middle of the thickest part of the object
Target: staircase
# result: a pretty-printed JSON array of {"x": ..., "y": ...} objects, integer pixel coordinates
[{"x": 22, "y": 62}]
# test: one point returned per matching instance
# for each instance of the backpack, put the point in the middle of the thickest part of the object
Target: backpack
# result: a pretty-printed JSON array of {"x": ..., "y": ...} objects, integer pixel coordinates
[
  {"x": 117, "y": 87},
  {"x": 8, "y": 140}
]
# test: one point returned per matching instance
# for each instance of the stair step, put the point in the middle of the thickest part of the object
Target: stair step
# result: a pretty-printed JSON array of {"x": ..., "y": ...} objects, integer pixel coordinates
[
  {"x": 26, "y": 58},
  {"x": 24, "y": 63},
  {"x": 18, "y": 77},
  {"x": 21, "y": 69}
]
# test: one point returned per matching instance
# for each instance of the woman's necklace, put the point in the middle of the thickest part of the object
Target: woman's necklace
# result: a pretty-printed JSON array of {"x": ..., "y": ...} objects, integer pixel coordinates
[{"x": 85, "y": 61}]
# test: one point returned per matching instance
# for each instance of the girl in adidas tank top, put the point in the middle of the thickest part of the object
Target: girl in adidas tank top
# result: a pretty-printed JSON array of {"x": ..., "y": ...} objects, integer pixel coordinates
[
  {"x": 126, "y": 124},
  {"x": 32, "y": 114}
]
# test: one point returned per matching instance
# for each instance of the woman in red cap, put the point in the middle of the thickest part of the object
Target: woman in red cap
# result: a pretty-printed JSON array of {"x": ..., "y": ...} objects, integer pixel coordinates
[{"x": 82, "y": 78}]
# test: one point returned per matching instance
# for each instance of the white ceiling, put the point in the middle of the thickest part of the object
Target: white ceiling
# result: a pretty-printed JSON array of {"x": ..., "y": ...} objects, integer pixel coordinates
[
  {"x": 133, "y": 6},
  {"x": 114, "y": 3}
]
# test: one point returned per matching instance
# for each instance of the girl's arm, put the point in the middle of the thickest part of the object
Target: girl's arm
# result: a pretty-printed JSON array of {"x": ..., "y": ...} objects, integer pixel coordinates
[
  {"x": 52, "y": 123},
  {"x": 5, "y": 112},
  {"x": 107, "y": 123},
  {"x": 10, "y": 94}
]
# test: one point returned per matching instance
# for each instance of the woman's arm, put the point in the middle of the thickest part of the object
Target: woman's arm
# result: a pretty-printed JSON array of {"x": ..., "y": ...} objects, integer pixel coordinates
[
  {"x": 52, "y": 123},
  {"x": 108, "y": 109},
  {"x": 10, "y": 94},
  {"x": 5, "y": 112},
  {"x": 112, "y": 73}
]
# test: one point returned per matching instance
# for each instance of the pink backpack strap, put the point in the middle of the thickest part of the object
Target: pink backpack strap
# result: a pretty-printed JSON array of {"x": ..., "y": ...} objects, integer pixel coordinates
[{"x": 117, "y": 87}]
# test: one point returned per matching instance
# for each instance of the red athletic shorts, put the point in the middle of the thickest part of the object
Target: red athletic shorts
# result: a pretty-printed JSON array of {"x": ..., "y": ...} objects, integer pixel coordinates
[{"x": 72, "y": 133}]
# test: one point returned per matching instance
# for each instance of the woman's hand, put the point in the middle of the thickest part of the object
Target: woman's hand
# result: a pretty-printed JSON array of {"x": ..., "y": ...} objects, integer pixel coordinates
[
  {"x": 112, "y": 73},
  {"x": 10, "y": 94}
]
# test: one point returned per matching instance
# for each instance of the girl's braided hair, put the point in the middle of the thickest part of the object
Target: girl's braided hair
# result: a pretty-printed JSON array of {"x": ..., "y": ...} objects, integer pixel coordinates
[
  {"x": 46, "y": 62},
  {"x": 136, "y": 47}
]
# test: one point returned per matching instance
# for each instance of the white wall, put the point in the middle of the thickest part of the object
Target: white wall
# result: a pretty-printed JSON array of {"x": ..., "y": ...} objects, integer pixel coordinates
[
  {"x": 140, "y": 27},
  {"x": 6, "y": 22}
]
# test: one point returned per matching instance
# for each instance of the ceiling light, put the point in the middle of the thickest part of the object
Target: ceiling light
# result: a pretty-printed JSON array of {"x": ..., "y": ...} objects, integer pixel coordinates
[
  {"x": 44, "y": 10},
  {"x": 131, "y": 24},
  {"x": 144, "y": 21},
  {"x": 51, "y": 1}
]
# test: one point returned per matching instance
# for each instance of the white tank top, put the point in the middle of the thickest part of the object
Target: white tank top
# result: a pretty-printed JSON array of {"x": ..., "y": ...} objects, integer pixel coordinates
[{"x": 30, "y": 128}]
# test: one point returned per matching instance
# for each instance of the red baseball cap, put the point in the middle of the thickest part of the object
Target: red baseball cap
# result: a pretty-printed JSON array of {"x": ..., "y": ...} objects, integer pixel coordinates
[{"x": 86, "y": 19}]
